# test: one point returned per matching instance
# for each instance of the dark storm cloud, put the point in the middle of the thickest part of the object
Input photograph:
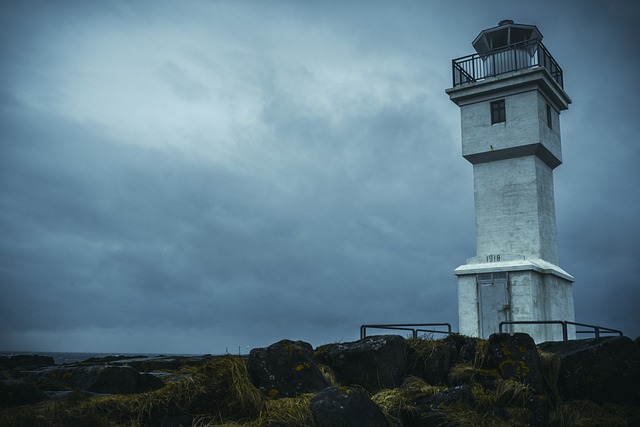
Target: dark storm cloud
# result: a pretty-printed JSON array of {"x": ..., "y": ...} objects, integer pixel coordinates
[
  {"x": 121, "y": 235},
  {"x": 233, "y": 174}
]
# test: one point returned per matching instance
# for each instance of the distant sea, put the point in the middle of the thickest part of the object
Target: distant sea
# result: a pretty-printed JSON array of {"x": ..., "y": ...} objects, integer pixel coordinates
[{"x": 60, "y": 358}]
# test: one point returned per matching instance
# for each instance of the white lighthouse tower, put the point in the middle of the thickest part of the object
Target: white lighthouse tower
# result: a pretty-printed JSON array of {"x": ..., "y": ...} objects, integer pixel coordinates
[{"x": 510, "y": 94}]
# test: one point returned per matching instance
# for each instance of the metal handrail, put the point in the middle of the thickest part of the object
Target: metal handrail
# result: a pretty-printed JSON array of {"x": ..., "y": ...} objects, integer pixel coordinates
[
  {"x": 517, "y": 56},
  {"x": 415, "y": 328},
  {"x": 597, "y": 330}
]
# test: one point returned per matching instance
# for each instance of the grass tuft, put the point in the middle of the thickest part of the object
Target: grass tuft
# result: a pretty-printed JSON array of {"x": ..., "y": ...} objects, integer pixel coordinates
[{"x": 220, "y": 389}]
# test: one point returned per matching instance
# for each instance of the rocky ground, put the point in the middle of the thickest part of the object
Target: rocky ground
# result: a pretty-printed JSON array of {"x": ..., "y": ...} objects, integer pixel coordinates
[{"x": 385, "y": 381}]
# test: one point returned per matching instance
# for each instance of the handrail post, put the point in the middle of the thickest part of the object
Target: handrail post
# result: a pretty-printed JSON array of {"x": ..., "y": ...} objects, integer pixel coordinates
[
  {"x": 565, "y": 334},
  {"x": 473, "y": 67},
  {"x": 597, "y": 328},
  {"x": 453, "y": 71}
]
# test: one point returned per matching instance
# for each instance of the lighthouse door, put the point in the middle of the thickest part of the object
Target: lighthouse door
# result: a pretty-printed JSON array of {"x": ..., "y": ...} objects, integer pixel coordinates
[{"x": 493, "y": 301}]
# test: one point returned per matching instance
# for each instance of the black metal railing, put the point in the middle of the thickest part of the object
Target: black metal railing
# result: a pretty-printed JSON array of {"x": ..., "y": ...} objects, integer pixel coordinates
[
  {"x": 415, "y": 328},
  {"x": 519, "y": 56},
  {"x": 596, "y": 330}
]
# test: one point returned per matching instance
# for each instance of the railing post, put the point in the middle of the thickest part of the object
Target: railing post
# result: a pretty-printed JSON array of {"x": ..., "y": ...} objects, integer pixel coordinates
[
  {"x": 565, "y": 334},
  {"x": 597, "y": 328},
  {"x": 473, "y": 67}
]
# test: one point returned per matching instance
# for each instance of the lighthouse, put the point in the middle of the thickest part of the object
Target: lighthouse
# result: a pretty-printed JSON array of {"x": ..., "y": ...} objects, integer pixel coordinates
[{"x": 511, "y": 93}]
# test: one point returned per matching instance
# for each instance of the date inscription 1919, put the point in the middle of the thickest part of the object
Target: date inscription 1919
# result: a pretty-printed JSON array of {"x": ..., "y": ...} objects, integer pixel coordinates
[{"x": 493, "y": 258}]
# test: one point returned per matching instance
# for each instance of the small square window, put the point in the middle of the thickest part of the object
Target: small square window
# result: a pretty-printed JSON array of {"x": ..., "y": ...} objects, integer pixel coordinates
[
  {"x": 549, "y": 121},
  {"x": 498, "y": 113}
]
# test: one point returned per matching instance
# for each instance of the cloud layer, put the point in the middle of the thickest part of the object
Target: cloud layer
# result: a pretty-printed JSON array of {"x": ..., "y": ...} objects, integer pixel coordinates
[{"x": 228, "y": 174}]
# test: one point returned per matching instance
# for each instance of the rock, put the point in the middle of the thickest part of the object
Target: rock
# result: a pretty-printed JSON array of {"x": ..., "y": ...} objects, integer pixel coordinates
[
  {"x": 345, "y": 407},
  {"x": 454, "y": 394},
  {"x": 432, "y": 360},
  {"x": 600, "y": 369},
  {"x": 99, "y": 379},
  {"x": 457, "y": 339},
  {"x": 163, "y": 363},
  {"x": 18, "y": 393},
  {"x": 148, "y": 382},
  {"x": 468, "y": 350},
  {"x": 26, "y": 361},
  {"x": 517, "y": 358},
  {"x": 375, "y": 362},
  {"x": 110, "y": 380},
  {"x": 106, "y": 360},
  {"x": 177, "y": 421},
  {"x": 426, "y": 412},
  {"x": 285, "y": 369},
  {"x": 147, "y": 363}
]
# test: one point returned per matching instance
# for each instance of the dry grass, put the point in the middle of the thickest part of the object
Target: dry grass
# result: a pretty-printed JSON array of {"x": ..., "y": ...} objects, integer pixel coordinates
[
  {"x": 466, "y": 373},
  {"x": 423, "y": 349},
  {"x": 582, "y": 413},
  {"x": 399, "y": 403},
  {"x": 550, "y": 364},
  {"x": 483, "y": 358},
  {"x": 511, "y": 393},
  {"x": 284, "y": 412},
  {"x": 220, "y": 389},
  {"x": 287, "y": 412},
  {"x": 220, "y": 394},
  {"x": 462, "y": 373},
  {"x": 461, "y": 415},
  {"x": 328, "y": 374}
]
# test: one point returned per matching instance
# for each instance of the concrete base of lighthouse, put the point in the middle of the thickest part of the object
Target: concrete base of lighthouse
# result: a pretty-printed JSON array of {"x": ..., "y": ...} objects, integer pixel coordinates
[{"x": 514, "y": 289}]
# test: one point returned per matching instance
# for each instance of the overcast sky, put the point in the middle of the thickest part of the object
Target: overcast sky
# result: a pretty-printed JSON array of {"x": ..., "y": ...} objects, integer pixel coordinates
[{"x": 199, "y": 176}]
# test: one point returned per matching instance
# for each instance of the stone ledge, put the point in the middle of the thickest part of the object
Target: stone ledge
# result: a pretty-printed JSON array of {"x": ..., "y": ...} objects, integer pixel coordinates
[{"x": 534, "y": 264}]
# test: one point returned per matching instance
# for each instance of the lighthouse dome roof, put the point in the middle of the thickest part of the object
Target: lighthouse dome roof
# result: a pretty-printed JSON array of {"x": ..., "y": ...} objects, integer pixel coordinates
[{"x": 504, "y": 34}]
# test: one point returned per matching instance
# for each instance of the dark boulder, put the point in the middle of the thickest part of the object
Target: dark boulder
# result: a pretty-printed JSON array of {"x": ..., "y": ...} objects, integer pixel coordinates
[
  {"x": 177, "y": 421},
  {"x": 149, "y": 382},
  {"x": 457, "y": 339},
  {"x": 600, "y": 369},
  {"x": 468, "y": 350},
  {"x": 517, "y": 358},
  {"x": 285, "y": 369},
  {"x": 427, "y": 410},
  {"x": 345, "y": 407},
  {"x": 448, "y": 396},
  {"x": 374, "y": 362},
  {"x": 106, "y": 360},
  {"x": 26, "y": 361},
  {"x": 110, "y": 380},
  {"x": 99, "y": 379},
  {"x": 162, "y": 363},
  {"x": 18, "y": 393},
  {"x": 431, "y": 360}
]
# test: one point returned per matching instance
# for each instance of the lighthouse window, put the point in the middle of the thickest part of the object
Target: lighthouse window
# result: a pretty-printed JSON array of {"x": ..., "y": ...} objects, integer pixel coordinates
[
  {"x": 498, "y": 113},
  {"x": 549, "y": 116}
]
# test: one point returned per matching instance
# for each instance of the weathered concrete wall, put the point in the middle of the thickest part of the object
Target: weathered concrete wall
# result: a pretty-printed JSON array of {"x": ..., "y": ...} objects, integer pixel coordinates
[
  {"x": 536, "y": 290},
  {"x": 515, "y": 209},
  {"x": 513, "y": 166},
  {"x": 468, "y": 316}
]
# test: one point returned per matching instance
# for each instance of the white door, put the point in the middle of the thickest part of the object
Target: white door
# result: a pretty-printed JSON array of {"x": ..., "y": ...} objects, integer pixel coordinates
[{"x": 493, "y": 300}]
